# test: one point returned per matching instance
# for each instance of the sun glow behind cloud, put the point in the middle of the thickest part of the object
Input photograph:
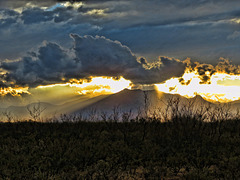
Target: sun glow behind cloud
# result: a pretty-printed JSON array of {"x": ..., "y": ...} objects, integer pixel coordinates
[
  {"x": 222, "y": 87},
  {"x": 17, "y": 91},
  {"x": 235, "y": 20},
  {"x": 74, "y": 5},
  {"x": 97, "y": 85}
]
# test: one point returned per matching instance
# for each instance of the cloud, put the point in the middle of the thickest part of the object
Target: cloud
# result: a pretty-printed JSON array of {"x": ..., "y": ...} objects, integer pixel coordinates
[
  {"x": 103, "y": 57},
  {"x": 89, "y": 56},
  {"x": 48, "y": 65},
  {"x": 205, "y": 71},
  {"x": 225, "y": 66},
  {"x": 34, "y": 25},
  {"x": 39, "y": 3},
  {"x": 235, "y": 35},
  {"x": 196, "y": 29},
  {"x": 24, "y": 3},
  {"x": 36, "y": 15},
  {"x": 162, "y": 69},
  {"x": 100, "y": 55},
  {"x": 8, "y": 12}
]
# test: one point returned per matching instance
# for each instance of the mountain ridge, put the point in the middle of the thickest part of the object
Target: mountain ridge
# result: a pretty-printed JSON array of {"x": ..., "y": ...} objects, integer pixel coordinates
[{"x": 125, "y": 100}]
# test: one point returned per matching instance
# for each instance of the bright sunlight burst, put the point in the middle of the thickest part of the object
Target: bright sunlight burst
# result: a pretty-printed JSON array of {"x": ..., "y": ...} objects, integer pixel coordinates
[
  {"x": 222, "y": 88},
  {"x": 97, "y": 85}
]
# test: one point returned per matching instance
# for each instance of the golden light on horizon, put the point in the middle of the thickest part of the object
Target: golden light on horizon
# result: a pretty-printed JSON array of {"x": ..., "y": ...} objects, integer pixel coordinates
[
  {"x": 97, "y": 85},
  {"x": 102, "y": 85},
  {"x": 13, "y": 91},
  {"x": 222, "y": 88}
]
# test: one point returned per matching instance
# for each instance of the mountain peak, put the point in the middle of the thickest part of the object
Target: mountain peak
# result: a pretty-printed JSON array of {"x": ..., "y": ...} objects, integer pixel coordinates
[{"x": 199, "y": 99}]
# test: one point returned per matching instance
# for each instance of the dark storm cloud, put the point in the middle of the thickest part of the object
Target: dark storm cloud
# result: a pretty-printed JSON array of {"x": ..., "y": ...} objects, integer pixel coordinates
[
  {"x": 199, "y": 29},
  {"x": 36, "y": 15},
  {"x": 90, "y": 56},
  {"x": 49, "y": 65},
  {"x": 100, "y": 55},
  {"x": 104, "y": 57},
  {"x": 161, "y": 69},
  {"x": 20, "y": 32},
  {"x": 7, "y": 22},
  {"x": 8, "y": 17},
  {"x": 8, "y": 12}
]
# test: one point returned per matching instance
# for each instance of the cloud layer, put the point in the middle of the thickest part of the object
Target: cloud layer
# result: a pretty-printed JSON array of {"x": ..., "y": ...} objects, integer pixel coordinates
[
  {"x": 203, "y": 30},
  {"x": 205, "y": 71},
  {"x": 89, "y": 56}
]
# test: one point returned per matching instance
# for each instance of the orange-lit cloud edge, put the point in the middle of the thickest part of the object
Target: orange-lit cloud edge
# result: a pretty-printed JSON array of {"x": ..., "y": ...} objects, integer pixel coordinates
[
  {"x": 222, "y": 87},
  {"x": 96, "y": 85},
  {"x": 90, "y": 86}
]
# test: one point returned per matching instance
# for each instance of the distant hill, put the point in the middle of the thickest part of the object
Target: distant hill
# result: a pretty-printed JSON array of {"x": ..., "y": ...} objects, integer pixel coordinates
[
  {"x": 124, "y": 100},
  {"x": 135, "y": 99},
  {"x": 49, "y": 110}
]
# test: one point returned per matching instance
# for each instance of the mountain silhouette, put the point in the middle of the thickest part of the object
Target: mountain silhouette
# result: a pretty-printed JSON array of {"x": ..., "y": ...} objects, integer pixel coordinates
[{"x": 124, "y": 100}]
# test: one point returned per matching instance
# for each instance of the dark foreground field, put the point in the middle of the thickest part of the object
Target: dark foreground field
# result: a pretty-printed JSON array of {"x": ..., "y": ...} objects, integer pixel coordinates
[{"x": 180, "y": 149}]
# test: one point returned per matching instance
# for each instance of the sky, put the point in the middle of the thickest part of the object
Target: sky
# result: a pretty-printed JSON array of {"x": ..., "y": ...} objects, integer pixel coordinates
[{"x": 51, "y": 42}]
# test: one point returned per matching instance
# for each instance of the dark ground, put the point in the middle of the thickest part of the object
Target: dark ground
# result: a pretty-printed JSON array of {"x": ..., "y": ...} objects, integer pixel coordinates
[{"x": 137, "y": 149}]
